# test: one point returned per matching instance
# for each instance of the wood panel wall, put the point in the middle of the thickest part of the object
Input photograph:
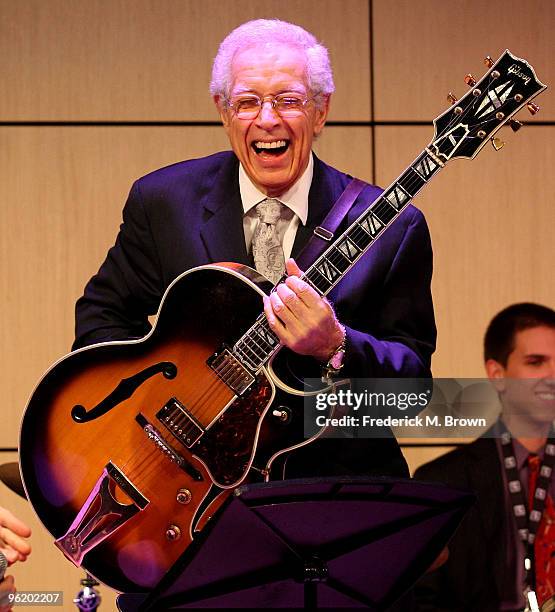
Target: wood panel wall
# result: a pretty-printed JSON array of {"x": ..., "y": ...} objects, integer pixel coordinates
[{"x": 98, "y": 92}]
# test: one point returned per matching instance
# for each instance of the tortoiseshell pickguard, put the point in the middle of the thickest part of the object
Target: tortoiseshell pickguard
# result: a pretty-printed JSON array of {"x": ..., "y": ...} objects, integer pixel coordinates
[{"x": 227, "y": 445}]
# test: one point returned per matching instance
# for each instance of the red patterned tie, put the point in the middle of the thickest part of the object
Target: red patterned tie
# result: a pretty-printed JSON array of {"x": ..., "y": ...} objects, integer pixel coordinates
[{"x": 544, "y": 544}]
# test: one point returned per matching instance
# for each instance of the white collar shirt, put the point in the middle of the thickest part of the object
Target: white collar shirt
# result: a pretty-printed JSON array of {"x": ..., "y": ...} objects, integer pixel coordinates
[{"x": 295, "y": 200}]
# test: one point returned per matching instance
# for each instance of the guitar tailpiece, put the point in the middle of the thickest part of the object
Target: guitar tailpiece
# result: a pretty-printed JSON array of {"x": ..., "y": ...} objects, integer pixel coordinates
[{"x": 91, "y": 527}]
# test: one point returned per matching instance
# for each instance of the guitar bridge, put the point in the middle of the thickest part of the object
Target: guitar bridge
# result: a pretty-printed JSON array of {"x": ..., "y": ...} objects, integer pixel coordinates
[{"x": 101, "y": 515}]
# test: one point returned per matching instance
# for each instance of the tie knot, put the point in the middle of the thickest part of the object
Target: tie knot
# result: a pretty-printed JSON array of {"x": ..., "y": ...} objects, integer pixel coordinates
[{"x": 269, "y": 210}]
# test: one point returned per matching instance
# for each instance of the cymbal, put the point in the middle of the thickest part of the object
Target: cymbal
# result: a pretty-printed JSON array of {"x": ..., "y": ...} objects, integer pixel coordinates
[{"x": 10, "y": 476}]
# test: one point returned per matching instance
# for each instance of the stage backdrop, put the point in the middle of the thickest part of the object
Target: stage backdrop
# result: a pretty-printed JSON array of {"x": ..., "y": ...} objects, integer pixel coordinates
[{"x": 96, "y": 93}]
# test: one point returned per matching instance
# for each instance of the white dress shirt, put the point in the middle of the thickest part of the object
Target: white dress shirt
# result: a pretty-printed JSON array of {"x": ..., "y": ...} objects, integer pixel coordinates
[{"x": 295, "y": 200}]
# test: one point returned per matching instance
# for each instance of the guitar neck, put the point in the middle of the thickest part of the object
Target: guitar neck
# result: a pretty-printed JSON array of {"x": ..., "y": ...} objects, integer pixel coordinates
[{"x": 259, "y": 343}]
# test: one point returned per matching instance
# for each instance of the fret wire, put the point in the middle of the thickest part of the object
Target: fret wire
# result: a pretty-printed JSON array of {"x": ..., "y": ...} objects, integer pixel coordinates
[
  {"x": 318, "y": 275},
  {"x": 261, "y": 321},
  {"x": 246, "y": 347},
  {"x": 389, "y": 206},
  {"x": 245, "y": 358},
  {"x": 317, "y": 280},
  {"x": 256, "y": 347},
  {"x": 385, "y": 213},
  {"x": 338, "y": 259},
  {"x": 247, "y": 338},
  {"x": 346, "y": 240},
  {"x": 262, "y": 338},
  {"x": 361, "y": 227},
  {"x": 266, "y": 347},
  {"x": 377, "y": 231},
  {"x": 338, "y": 254},
  {"x": 408, "y": 183},
  {"x": 267, "y": 330},
  {"x": 323, "y": 258},
  {"x": 367, "y": 223},
  {"x": 361, "y": 237}
]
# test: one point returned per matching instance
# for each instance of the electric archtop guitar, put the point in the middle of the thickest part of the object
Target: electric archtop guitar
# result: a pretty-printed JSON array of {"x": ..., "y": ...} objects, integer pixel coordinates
[{"x": 127, "y": 448}]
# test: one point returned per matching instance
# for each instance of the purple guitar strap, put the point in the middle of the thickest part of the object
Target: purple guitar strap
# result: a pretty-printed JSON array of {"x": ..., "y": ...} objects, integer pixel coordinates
[{"x": 324, "y": 233}]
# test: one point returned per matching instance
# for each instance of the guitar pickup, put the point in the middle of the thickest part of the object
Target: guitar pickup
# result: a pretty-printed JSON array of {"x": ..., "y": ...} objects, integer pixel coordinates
[
  {"x": 229, "y": 369},
  {"x": 180, "y": 422}
]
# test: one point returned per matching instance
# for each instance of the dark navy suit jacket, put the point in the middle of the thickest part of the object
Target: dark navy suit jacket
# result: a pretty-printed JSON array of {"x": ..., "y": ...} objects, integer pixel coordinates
[
  {"x": 190, "y": 214},
  {"x": 475, "y": 577}
]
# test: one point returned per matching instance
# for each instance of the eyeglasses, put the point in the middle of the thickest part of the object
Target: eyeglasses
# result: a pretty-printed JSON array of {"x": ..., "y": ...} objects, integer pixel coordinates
[{"x": 285, "y": 105}]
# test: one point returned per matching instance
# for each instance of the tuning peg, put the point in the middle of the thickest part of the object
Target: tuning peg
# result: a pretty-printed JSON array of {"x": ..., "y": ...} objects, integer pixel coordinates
[
  {"x": 488, "y": 61},
  {"x": 515, "y": 125},
  {"x": 533, "y": 108},
  {"x": 497, "y": 143},
  {"x": 470, "y": 80},
  {"x": 451, "y": 98}
]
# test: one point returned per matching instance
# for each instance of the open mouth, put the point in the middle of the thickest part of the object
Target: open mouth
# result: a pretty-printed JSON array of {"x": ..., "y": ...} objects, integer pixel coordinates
[
  {"x": 546, "y": 396},
  {"x": 276, "y": 147}
]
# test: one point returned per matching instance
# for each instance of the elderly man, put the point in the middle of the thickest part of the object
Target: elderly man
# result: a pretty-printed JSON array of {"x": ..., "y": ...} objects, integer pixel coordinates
[
  {"x": 510, "y": 469},
  {"x": 272, "y": 84}
]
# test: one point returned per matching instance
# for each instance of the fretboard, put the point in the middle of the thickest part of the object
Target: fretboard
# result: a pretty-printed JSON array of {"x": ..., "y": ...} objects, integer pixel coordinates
[{"x": 259, "y": 343}]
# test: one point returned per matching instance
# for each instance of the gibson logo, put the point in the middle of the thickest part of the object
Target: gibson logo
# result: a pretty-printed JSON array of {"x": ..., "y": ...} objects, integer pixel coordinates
[{"x": 517, "y": 71}]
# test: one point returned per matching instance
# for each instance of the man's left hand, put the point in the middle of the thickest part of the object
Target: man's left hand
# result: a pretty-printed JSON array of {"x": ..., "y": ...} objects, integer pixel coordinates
[
  {"x": 12, "y": 537},
  {"x": 303, "y": 320}
]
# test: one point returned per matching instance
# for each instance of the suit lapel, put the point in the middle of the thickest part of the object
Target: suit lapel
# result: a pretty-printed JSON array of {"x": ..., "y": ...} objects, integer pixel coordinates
[
  {"x": 222, "y": 228},
  {"x": 488, "y": 485}
]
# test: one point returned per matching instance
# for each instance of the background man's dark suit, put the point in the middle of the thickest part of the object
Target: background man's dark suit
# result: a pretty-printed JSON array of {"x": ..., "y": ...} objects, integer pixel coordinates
[
  {"x": 474, "y": 576},
  {"x": 190, "y": 214}
]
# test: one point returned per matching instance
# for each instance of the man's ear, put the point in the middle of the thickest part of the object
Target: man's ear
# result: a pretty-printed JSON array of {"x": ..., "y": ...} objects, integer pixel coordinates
[
  {"x": 222, "y": 109},
  {"x": 496, "y": 374},
  {"x": 321, "y": 115}
]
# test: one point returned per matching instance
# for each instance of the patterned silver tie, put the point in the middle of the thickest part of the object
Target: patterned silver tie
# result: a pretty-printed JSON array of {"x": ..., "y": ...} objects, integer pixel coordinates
[{"x": 266, "y": 247}]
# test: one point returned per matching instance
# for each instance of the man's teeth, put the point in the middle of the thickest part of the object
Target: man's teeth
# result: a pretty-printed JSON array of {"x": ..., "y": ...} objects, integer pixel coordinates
[
  {"x": 270, "y": 145},
  {"x": 547, "y": 396}
]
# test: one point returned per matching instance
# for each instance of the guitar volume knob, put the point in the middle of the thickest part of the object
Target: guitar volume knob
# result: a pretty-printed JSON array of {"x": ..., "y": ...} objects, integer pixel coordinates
[
  {"x": 173, "y": 533},
  {"x": 184, "y": 496}
]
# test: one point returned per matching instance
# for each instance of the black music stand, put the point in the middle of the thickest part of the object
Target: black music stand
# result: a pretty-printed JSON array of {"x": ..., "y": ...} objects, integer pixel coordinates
[
  {"x": 328, "y": 542},
  {"x": 11, "y": 477}
]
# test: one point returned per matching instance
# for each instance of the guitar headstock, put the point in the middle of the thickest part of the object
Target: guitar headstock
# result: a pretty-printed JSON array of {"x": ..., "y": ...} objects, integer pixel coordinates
[{"x": 464, "y": 128}]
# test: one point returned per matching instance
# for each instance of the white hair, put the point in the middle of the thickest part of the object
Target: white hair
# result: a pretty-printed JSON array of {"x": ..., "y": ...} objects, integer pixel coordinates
[{"x": 267, "y": 31}]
